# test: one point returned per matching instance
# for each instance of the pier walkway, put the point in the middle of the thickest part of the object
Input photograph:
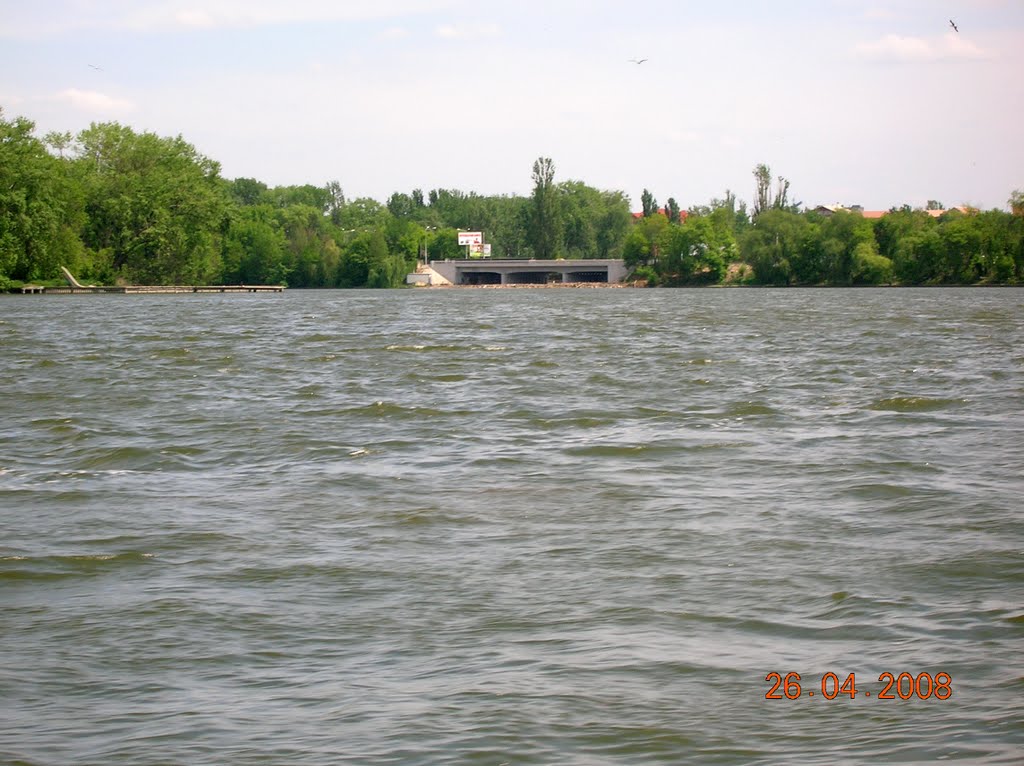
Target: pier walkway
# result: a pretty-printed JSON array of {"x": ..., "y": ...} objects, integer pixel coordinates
[{"x": 74, "y": 286}]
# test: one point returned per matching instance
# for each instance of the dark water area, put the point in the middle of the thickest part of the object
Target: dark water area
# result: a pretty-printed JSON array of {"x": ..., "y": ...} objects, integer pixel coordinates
[{"x": 512, "y": 527}]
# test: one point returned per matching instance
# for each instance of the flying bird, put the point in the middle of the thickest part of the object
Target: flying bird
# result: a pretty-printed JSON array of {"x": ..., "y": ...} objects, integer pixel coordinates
[
  {"x": 955, "y": 27},
  {"x": 98, "y": 69},
  {"x": 638, "y": 61}
]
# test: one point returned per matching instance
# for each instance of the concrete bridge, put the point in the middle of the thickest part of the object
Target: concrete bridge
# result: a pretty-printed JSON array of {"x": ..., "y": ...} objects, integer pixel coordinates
[{"x": 484, "y": 271}]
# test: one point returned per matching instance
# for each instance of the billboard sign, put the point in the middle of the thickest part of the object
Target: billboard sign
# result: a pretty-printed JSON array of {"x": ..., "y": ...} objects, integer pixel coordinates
[{"x": 471, "y": 238}]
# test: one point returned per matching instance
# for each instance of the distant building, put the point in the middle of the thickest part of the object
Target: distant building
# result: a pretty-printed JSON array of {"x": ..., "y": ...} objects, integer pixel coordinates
[
  {"x": 683, "y": 215},
  {"x": 829, "y": 210}
]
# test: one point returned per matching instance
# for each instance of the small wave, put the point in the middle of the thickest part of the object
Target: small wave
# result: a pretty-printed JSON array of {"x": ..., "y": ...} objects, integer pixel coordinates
[
  {"x": 381, "y": 408},
  {"x": 609, "y": 450},
  {"x": 119, "y": 458},
  {"x": 444, "y": 347},
  {"x": 877, "y": 491},
  {"x": 913, "y": 404},
  {"x": 646, "y": 450},
  {"x": 55, "y": 424},
  {"x": 65, "y": 566},
  {"x": 420, "y": 347},
  {"x": 171, "y": 353},
  {"x": 749, "y": 409}
]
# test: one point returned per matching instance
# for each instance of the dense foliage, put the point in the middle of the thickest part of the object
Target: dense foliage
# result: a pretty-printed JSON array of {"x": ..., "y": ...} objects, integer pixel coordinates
[{"x": 115, "y": 205}]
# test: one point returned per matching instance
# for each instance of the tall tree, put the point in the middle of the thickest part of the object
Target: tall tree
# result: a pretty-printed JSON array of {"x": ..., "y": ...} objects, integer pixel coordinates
[
  {"x": 1016, "y": 202},
  {"x": 672, "y": 210},
  {"x": 335, "y": 200},
  {"x": 545, "y": 219},
  {"x": 649, "y": 205},
  {"x": 762, "y": 189}
]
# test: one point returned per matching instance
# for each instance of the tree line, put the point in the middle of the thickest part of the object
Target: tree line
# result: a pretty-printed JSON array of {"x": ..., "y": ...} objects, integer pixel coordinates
[{"x": 115, "y": 205}]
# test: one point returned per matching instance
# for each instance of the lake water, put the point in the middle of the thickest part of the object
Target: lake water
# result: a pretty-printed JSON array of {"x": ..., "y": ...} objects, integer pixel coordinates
[{"x": 523, "y": 526}]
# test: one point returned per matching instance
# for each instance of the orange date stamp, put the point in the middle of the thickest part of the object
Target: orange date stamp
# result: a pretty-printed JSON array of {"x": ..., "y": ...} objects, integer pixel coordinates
[{"x": 904, "y": 686}]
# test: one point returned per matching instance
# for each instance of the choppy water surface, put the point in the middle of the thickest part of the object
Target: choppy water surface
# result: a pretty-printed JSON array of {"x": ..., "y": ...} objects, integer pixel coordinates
[{"x": 510, "y": 526}]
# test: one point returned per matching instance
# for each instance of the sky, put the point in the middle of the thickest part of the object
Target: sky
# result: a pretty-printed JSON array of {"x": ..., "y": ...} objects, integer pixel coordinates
[{"x": 878, "y": 103}]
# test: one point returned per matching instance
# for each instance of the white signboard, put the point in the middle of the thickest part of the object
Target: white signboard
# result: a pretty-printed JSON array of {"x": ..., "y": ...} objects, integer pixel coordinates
[{"x": 471, "y": 238}]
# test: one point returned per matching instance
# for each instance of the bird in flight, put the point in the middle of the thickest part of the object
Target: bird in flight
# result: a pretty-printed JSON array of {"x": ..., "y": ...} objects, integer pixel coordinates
[
  {"x": 955, "y": 27},
  {"x": 98, "y": 69},
  {"x": 638, "y": 61}
]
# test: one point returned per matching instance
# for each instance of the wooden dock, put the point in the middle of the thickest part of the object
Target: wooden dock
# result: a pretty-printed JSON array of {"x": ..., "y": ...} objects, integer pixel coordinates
[
  {"x": 75, "y": 287},
  {"x": 162, "y": 289}
]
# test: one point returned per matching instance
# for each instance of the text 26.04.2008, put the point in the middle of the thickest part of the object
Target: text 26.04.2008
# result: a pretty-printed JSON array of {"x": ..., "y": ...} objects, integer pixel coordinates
[{"x": 904, "y": 686}]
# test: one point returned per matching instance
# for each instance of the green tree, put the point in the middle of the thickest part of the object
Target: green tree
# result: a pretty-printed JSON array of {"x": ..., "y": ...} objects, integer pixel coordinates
[
  {"x": 870, "y": 268},
  {"x": 255, "y": 248},
  {"x": 581, "y": 210},
  {"x": 156, "y": 203},
  {"x": 672, "y": 210},
  {"x": 335, "y": 200},
  {"x": 41, "y": 206},
  {"x": 694, "y": 253},
  {"x": 962, "y": 237},
  {"x": 366, "y": 262},
  {"x": 401, "y": 205},
  {"x": 248, "y": 191},
  {"x": 444, "y": 243},
  {"x": 762, "y": 189},
  {"x": 919, "y": 257},
  {"x": 773, "y": 243},
  {"x": 613, "y": 224},
  {"x": 648, "y": 204},
  {"x": 363, "y": 213},
  {"x": 545, "y": 222},
  {"x": 1016, "y": 202},
  {"x": 636, "y": 250},
  {"x": 59, "y": 141},
  {"x": 319, "y": 197},
  {"x": 311, "y": 252},
  {"x": 839, "y": 237}
]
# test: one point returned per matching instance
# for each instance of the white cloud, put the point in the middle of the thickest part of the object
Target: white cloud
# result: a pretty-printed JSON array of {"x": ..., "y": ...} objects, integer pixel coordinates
[
  {"x": 960, "y": 47},
  {"x": 93, "y": 101},
  {"x": 877, "y": 14},
  {"x": 195, "y": 18},
  {"x": 467, "y": 31},
  {"x": 896, "y": 48},
  {"x": 204, "y": 14},
  {"x": 677, "y": 136},
  {"x": 395, "y": 33}
]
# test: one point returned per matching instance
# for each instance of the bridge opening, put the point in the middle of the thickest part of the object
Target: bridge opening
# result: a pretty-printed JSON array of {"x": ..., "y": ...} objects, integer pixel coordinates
[
  {"x": 481, "y": 278},
  {"x": 586, "y": 276},
  {"x": 530, "y": 278}
]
